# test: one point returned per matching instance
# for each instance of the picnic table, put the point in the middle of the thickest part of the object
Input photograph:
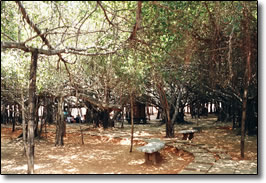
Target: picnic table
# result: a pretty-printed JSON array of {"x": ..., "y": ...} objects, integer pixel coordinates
[
  {"x": 151, "y": 150},
  {"x": 188, "y": 134}
]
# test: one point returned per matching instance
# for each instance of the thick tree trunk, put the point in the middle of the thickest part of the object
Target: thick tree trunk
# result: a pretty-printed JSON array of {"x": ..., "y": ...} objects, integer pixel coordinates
[
  {"x": 158, "y": 114},
  {"x": 60, "y": 124},
  {"x": 106, "y": 119},
  {"x": 247, "y": 77},
  {"x": 244, "y": 112},
  {"x": 6, "y": 112},
  {"x": 32, "y": 96},
  {"x": 233, "y": 115},
  {"x": 50, "y": 111},
  {"x": 36, "y": 130},
  {"x": 24, "y": 132},
  {"x": 164, "y": 102},
  {"x": 177, "y": 106},
  {"x": 132, "y": 120}
]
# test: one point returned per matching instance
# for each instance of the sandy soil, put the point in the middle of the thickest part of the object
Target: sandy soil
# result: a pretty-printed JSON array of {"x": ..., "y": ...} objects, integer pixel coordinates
[
  {"x": 99, "y": 155},
  {"x": 107, "y": 151}
]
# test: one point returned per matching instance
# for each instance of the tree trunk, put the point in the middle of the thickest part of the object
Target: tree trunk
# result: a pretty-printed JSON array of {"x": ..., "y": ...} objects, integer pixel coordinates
[
  {"x": 177, "y": 105},
  {"x": 234, "y": 115},
  {"x": 36, "y": 131},
  {"x": 244, "y": 111},
  {"x": 122, "y": 118},
  {"x": 50, "y": 111},
  {"x": 23, "y": 123},
  {"x": 46, "y": 117},
  {"x": 247, "y": 77},
  {"x": 158, "y": 114},
  {"x": 164, "y": 102},
  {"x": 6, "y": 112},
  {"x": 13, "y": 118},
  {"x": 106, "y": 119},
  {"x": 32, "y": 96},
  {"x": 132, "y": 120},
  {"x": 59, "y": 141}
]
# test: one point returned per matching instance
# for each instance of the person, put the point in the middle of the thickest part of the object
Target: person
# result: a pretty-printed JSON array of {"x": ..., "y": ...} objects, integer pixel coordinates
[
  {"x": 65, "y": 115},
  {"x": 69, "y": 119},
  {"x": 78, "y": 119}
]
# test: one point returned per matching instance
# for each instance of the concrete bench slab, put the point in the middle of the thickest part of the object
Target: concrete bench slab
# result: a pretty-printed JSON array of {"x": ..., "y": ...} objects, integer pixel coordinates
[
  {"x": 187, "y": 134},
  {"x": 152, "y": 156},
  {"x": 152, "y": 146}
]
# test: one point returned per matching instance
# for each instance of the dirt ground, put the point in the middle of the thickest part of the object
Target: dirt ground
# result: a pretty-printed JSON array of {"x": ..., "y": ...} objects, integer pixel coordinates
[
  {"x": 98, "y": 155},
  {"x": 105, "y": 152}
]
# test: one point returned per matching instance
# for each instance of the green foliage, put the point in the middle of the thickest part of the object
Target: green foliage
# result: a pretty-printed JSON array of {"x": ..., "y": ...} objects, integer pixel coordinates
[{"x": 184, "y": 43}]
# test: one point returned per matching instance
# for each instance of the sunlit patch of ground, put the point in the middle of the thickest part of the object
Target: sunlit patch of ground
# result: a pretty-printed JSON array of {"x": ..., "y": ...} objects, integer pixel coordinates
[
  {"x": 107, "y": 151},
  {"x": 99, "y": 155},
  {"x": 225, "y": 138}
]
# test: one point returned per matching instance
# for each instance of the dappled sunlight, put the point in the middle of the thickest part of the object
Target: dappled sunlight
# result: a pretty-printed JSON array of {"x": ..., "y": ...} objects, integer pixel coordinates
[
  {"x": 99, "y": 154},
  {"x": 125, "y": 142},
  {"x": 128, "y": 87},
  {"x": 136, "y": 162},
  {"x": 108, "y": 152}
]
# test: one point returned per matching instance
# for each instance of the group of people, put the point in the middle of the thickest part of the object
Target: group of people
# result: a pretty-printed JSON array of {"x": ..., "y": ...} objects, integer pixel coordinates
[{"x": 70, "y": 119}]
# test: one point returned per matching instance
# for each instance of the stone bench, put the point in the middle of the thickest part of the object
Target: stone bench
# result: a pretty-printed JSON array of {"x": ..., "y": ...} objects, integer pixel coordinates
[
  {"x": 187, "y": 134},
  {"x": 151, "y": 150}
]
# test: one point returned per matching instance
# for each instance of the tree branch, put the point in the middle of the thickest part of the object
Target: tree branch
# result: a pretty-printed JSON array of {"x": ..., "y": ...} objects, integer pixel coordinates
[
  {"x": 137, "y": 24},
  {"x": 98, "y": 2},
  {"x": 49, "y": 52}
]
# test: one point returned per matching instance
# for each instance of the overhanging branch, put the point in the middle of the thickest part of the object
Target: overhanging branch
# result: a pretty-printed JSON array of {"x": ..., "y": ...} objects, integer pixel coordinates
[{"x": 22, "y": 46}]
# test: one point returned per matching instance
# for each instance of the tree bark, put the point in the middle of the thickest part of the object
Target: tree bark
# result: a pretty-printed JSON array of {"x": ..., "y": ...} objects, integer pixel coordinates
[
  {"x": 177, "y": 105},
  {"x": 244, "y": 112},
  {"x": 132, "y": 120},
  {"x": 247, "y": 77},
  {"x": 23, "y": 123},
  {"x": 50, "y": 111},
  {"x": 122, "y": 118},
  {"x": 32, "y": 96},
  {"x": 60, "y": 126},
  {"x": 169, "y": 124},
  {"x": 13, "y": 118},
  {"x": 158, "y": 114},
  {"x": 36, "y": 130}
]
